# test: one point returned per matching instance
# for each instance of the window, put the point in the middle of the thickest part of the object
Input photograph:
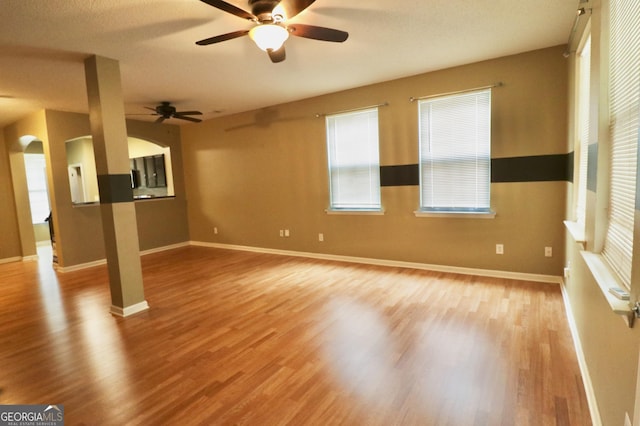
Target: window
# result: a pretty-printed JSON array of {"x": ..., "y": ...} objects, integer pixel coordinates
[
  {"x": 624, "y": 94},
  {"x": 37, "y": 186},
  {"x": 354, "y": 160},
  {"x": 582, "y": 148},
  {"x": 455, "y": 153}
]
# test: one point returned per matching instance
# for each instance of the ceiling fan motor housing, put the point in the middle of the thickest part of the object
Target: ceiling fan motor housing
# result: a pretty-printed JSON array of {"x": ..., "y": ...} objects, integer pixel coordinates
[
  {"x": 263, "y": 8},
  {"x": 165, "y": 109}
]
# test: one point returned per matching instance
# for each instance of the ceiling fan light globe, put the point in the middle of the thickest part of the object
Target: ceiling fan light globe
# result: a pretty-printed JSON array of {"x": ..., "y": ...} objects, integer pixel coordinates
[{"x": 269, "y": 36}]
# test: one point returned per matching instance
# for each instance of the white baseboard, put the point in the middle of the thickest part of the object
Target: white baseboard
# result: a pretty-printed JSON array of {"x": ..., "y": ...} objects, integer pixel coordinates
[
  {"x": 30, "y": 258},
  {"x": 81, "y": 266},
  {"x": 11, "y": 259},
  {"x": 551, "y": 279},
  {"x": 104, "y": 261},
  {"x": 129, "y": 310},
  {"x": 582, "y": 362},
  {"x": 164, "y": 248}
]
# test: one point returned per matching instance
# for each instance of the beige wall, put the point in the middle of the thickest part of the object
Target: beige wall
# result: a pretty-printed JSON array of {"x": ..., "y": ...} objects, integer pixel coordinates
[
  {"x": 78, "y": 228},
  {"x": 250, "y": 181},
  {"x": 10, "y": 241},
  {"x": 610, "y": 347}
]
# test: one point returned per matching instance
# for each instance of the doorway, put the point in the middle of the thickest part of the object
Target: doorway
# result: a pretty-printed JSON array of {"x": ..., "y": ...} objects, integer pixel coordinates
[
  {"x": 76, "y": 183},
  {"x": 38, "y": 193}
]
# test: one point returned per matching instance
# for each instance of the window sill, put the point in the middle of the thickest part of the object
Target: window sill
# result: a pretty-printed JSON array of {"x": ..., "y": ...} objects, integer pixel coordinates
[
  {"x": 355, "y": 212},
  {"x": 87, "y": 204},
  {"x": 461, "y": 215},
  {"x": 577, "y": 231},
  {"x": 135, "y": 199},
  {"x": 606, "y": 279},
  {"x": 161, "y": 197}
]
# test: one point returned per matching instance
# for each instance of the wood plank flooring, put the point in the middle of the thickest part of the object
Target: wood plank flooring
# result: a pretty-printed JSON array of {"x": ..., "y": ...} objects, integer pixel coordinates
[{"x": 257, "y": 339}]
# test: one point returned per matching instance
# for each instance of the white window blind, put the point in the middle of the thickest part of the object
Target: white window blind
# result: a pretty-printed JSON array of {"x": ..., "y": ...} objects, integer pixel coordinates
[
  {"x": 354, "y": 160},
  {"x": 624, "y": 95},
  {"x": 455, "y": 152},
  {"x": 584, "y": 78},
  {"x": 37, "y": 187}
]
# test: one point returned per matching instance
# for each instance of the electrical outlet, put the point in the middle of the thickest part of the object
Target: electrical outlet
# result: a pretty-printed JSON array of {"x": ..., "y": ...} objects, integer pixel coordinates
[
  {"x": 215, "y": 229},
  {"x": 321, "y": 237},
  {"x": 282, "y": 232},
  {"x": 499, "y": 249},
  {"x": 548, "y": 251},
  {"x": 286, "y": 233}
]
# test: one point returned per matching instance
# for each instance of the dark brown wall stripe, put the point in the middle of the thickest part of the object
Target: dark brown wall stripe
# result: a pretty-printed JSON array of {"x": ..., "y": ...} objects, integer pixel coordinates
[
  {"x": 408, "y": 174},
  {"x": 115, "y": 188},
  {"x": 592, "y": 167},
  {"x": 540, "y": 168},
  {"x": 570, "y": 163}
]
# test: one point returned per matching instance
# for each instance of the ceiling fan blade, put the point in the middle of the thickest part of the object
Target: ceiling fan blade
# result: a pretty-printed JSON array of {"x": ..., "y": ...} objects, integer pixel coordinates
[
  {"x": 183, "y": 117},
  {"x": 318, "y": 33},
  {"x": 229, "y": 8},
  {"x": 277, "y": 55},
  {"x": 222, "y": 37},
  {"x": 160, "y": 119},
  {"x": 188, "y": 113},
  {"x": 152, "y": 109},
  {"x": 290, "y": 8}
]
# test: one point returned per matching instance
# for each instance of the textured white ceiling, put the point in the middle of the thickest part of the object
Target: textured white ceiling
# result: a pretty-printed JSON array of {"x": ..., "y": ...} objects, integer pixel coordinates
[{"x": 43, "y": 44}]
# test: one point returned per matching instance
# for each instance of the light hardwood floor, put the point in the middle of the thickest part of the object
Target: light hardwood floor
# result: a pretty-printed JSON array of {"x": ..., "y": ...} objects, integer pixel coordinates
[{"x": 256, "y": 339}]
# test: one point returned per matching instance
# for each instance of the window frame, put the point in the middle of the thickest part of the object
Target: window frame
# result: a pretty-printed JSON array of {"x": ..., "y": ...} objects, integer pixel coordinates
[
  {"x": 337, "y": 206},
  {"x": 613, "y": 252},
  {"x": 582, "y": 136},
  {"x": 483, "y": 211}
]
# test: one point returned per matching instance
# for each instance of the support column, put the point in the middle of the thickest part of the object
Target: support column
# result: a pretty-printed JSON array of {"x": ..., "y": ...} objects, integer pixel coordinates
[{"x": 119, "y": 224}]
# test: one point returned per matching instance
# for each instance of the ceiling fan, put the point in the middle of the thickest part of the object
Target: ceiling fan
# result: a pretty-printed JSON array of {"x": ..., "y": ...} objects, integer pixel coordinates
[
  {"x": 165, "y": 111},
  {"x": 270, "y": 30}
]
